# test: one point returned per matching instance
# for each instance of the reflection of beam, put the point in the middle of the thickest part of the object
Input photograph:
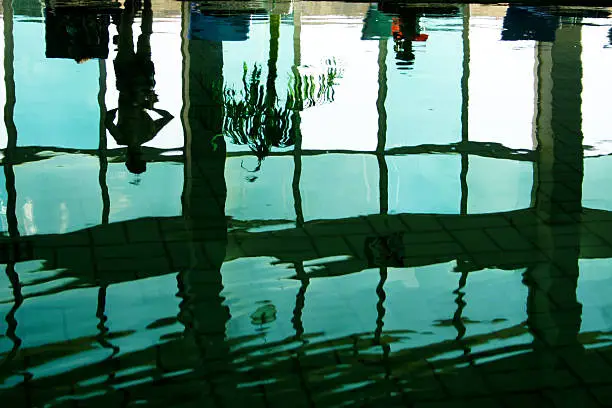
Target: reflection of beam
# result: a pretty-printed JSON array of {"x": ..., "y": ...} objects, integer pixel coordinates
[
  {"x": 483, "y": 149},
  {"x": 29, "y": 154},
  {"x": 503, "y": 240},
  {"x": 24, "y": 154}
]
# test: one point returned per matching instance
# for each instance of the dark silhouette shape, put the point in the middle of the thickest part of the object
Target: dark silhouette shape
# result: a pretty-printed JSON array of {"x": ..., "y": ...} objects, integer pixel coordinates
[
  {"x": 135, "y": 82},
  {"x": 77, "y": 33},
  {"x": 529, "y": 23},
  {"x": 216, "y": 26},
  {"x": 404, "y": 29}
]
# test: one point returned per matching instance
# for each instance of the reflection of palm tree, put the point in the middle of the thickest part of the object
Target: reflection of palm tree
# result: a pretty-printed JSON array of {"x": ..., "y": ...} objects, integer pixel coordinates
[{"x": 255, "y": 117}]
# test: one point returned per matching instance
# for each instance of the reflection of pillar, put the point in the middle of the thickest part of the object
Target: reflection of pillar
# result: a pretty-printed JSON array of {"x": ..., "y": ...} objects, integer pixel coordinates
[
  {"x": 382, "y": 126},
  {"x": 383, "y": 182},
  {"x": 9, "y": 159},
  {"x": 465, "y": 100},
  {"x": 554, "y": 313},
  {"x": 11, "y": 129},
  {"x": 296, "y": 120},
  {"x": 101, "y": 309},
  {"x": 558, "y": 127},
  {"x": 271, "y": 95},
  {"x": 202, "y": 311},
  {"x": 462, "y": 263},
  {"x": 102, "y": 145}
]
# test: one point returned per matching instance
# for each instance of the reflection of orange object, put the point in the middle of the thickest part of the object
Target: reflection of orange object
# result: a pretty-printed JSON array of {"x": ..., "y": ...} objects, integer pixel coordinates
[
  {"x": 396, "y": 31},
  {"x": 420, "y": 37}
]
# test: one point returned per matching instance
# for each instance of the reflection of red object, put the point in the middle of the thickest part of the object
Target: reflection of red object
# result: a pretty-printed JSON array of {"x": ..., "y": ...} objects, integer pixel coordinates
[
  {"x": 396, "y": 30},
  {"x": 420, "y": 37}
]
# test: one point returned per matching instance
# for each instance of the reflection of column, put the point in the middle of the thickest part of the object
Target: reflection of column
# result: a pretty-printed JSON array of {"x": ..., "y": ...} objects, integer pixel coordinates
[
  {"x": 296, "y": 117},
  {"x": 11, "y": 129},
  {"x": 554, "y": 313},
  {"x": 187, "y": 159},
  {"x": 9, "y": 159},
  {"x": 300, "y": 299},
  {"x": 102, "y": 145},
  {"x": 462, "y": 264},
  {"x": 272, "y": 63},
  {"x": 383, "y": 180},
  {"x": 202, "y": 310},
  {"x": 465, "y": 100},
  {"x": 102, "y": 329},
  {"x": 101, "y": 308},
  {"x": 558, "y": 128},
  {"x": 382, "y": 126}
]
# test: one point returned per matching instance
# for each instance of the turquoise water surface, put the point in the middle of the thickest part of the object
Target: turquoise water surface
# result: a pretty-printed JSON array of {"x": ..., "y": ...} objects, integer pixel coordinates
[{"x": 305, "y": 204}]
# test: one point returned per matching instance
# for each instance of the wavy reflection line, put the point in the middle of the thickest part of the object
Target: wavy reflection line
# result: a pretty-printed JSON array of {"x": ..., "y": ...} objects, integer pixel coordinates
[
  {"x": 300, "y": 300},
  {"x": 103, "y": 330},
  {"x": 102, "y": 154},
  {"x": 101, "y": 337},
  {"x": 381, "y": 311},
  {"x": 29, "y": 154},
  {"x": 9, "y": 174},
  {"x": 11, "y": 331},
  {"x": 465, "y": 103},
  {"x": 458, "y": 316},
  {"x": 380, "y": 305},
  {"x": 382, "y": 128},
  {"x": 296, "y": 119}
]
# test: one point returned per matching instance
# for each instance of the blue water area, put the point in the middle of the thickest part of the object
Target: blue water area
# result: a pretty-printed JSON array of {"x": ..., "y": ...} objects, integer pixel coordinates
[{"x": 315, "y": 204}]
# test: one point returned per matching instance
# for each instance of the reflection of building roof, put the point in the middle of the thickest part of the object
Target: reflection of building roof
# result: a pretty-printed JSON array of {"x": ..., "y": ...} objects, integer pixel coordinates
[
  {"x": 166, "y": 8},
  {"x": 331, "y": 8},
  {"x": 161, "y": 8},
  {"x": 203, "y": 26},
  {"x": 83, "y": 4},
  {"x": 231, "y": 7}
]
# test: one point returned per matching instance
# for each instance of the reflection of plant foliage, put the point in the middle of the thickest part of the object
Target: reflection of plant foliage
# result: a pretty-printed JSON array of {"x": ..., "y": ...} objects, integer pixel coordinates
[
  {"x": 256, "y": 117},
  {"x": 316, "y": 90}
]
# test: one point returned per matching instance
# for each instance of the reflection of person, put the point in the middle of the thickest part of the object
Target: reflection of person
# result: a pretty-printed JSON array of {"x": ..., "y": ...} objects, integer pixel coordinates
[
  {"x": 405, "y": 29},
  {"x": 135, "y": 82}
]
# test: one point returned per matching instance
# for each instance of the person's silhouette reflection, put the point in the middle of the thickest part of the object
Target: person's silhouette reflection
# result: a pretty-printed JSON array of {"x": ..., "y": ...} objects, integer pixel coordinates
[
  {"x": 135, "y": 82},
  {"x": 405, "y": 30}
]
